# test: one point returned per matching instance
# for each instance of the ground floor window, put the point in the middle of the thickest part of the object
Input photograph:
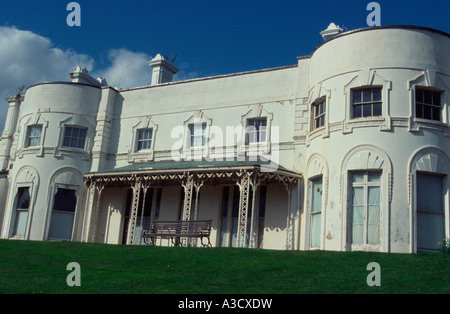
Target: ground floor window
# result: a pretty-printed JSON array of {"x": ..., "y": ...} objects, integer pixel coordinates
[
  {"x": 22, "y": 208},
  {"x": 147, "y": 211},
  {"x": 316, "y": 212},
  {"x": 63, "y": 213},
  {"x": 229, "y": 216},
  {"x": 430, "y": 211},
  {"x": 365, "y": 209}
]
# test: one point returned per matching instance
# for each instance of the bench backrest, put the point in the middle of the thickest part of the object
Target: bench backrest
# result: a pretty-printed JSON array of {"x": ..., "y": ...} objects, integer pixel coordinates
[{"x": 185, "y": 227}]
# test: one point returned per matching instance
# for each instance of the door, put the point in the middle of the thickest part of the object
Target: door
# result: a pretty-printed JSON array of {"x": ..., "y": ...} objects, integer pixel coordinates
[
  {"x": 63, "y": 213},
  {"x": 430, "y": 212}
]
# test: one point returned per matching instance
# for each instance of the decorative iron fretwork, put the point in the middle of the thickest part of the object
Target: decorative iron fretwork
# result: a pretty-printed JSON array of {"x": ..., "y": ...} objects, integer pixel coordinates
[
  {"x": 244, "y": 186},
  {"x": 134, "y": 209}
]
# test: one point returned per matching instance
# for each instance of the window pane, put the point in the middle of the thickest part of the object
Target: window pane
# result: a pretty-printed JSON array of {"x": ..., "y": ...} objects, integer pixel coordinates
[
  {"x": 430, "y": 230},
  {"x": 419, "y": 95},
  {"x": 82, "y": 133},
  {"x": 315, "y": 230},
  {"x": 427, "y": 97},
  {"x": 262, "y": 134},
  {"x": 367, "y": 95},
  {"x": 23, "y": 198},
  {"x": 367, "y": 110},
  {"x": 419, "y": 110},
  {"x": 357, "y": 111},
  {"x": 377, "y": 109},
  {"x": 65, "y": 200},
  {"x": 358, "y": 176},
  {"x": 374, "y": 176},
  {"x": 68, "y": 131},
  {"x": 34, "y": 141},
  {"x": 377, "y": 94},
  {"x": 437, "y": 98},
  {"x": 316, "y": 202},
  {"x": 436, "y": 112},
  {"x": 356, "y": 96},
  {"x": 21, "y": 223},
  {"x": 427, "y": 112},
  {"x": 358, "y": 215},
  {"x": 429, "y": 193},
  {"x": 373, "y": 225}
]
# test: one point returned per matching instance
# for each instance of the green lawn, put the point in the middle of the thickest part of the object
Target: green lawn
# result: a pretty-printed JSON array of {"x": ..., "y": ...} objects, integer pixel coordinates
[{"x": 40, "y": 267}]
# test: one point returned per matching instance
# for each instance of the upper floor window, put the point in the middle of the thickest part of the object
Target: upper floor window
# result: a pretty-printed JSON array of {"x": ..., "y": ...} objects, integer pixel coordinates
[
  {"x": 256, "y": 130},
  {"x": 366, "y": 102},
  {"x": 144, "y": 140},
  {"x": 428, "y": 104},
  {"x": 318, "y": 111},
  {"x": 197, "y": 133},
  {"x": 34, "y": 133},
  {"x": 74, "y": 137}
]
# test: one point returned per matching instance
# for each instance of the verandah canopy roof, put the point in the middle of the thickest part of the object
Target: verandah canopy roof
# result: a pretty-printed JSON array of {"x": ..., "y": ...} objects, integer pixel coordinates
[{"x": 168, "y": 172}]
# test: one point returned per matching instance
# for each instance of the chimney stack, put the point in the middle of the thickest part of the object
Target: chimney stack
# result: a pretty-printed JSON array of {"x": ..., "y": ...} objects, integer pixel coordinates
[
  {"x": 162, "y": 70},
  {"x": 331, "y": 32}
]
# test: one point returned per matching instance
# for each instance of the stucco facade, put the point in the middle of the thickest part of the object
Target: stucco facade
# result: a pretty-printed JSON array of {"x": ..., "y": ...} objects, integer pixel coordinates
[{"x": 346, "y": 150}]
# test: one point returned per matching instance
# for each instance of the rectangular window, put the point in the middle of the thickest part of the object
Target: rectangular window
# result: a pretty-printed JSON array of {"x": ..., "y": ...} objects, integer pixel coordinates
[
  {"x": 34, "y": 135},
  {"x": 430, "y": 212},
  {"x": 144, "y": 140},
  {"x": 197, "y": 134},
  {"x": 316, "y": 212},
  {"x": 22, "y": 207},
  {"x": 256, "y": 130},
  {"x": 63, "y": 213},
  {"x": 365, "y": 211},
  {"x": 74, "y": 137},
  {"x": 428, "y": 104},
  {"x": 366, "y": 102},
  {"x": 318, "y": 110}
]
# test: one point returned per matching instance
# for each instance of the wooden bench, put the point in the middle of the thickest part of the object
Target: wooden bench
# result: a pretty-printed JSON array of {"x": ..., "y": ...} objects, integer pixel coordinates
[{"x": 176, "y": 230}]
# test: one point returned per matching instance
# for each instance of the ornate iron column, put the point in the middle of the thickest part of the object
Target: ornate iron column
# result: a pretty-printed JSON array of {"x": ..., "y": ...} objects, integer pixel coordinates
[
  {"x": 244, "y": 186},
  {"x": 99, "y": 189},
  {"x": 255, "y": 184},
  {"x": 188, "y": 190},
  {"x": 145, "y": 187},
  {"x": 88, "y": 213},
  {"x": 134, "y": 209}
]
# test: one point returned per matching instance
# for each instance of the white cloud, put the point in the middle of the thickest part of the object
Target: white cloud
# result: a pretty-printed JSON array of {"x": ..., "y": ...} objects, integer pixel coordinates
[
  {"x": 28, "y": 58},
  {"x": 127, "y": 69}
]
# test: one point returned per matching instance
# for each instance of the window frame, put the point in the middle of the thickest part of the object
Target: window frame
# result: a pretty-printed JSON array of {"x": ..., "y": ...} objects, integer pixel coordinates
[
  {"x": 422, "y": 103},
  {"x": 139, "y": 140},
  {"x": 365, "y": 185},
  {"x": 29, "y": 137},
  {"x": 18, "y": 210},
  {"x": 66, "y": 126},
  {"x": 363, "y": 102},
  {"x": 321, "y": 102},
  {"x": 251, "y": 129},
  {"x": 191, "y": 129},
  {"x": 313, "y": 212}
]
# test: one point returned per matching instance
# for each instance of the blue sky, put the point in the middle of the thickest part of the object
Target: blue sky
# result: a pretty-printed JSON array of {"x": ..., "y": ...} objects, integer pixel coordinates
[{"x": 210, "y": 37}]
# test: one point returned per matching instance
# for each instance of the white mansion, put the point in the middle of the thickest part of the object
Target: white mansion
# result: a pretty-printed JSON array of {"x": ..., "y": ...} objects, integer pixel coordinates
[{"x": 346, "y": 150}]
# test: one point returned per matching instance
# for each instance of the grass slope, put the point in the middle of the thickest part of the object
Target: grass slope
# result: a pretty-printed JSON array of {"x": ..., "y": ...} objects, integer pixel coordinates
[{"x": 40, "y": 267}]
